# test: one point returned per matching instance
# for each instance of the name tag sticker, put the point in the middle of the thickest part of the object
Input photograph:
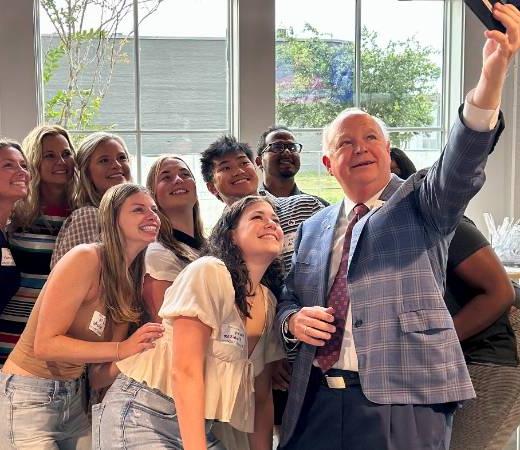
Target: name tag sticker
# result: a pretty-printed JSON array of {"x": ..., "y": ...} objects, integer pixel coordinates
[
  {"x": 288, "y": 242},
  {"x": 97, "y": 323},
  {"x": 234, "y": 335},
  {"x": 7, "y": 258}
]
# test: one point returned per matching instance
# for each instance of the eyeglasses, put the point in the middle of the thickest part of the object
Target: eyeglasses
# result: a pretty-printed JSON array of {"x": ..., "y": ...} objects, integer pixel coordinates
[{"x": 279, "y": 147}]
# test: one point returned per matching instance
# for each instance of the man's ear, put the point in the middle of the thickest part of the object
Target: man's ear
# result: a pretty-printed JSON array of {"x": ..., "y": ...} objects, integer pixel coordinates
[
  {"x": 326, "y": 162},
  {"x": 258, "y": 161},
  {"x": 211, "y": 188}
]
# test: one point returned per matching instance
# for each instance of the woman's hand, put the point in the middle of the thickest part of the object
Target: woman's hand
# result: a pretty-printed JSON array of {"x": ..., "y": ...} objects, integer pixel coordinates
[{"x": 142, "y": 339}]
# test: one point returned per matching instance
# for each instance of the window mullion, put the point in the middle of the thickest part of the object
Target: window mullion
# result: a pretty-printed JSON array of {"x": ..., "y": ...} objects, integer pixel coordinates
[
  {"x": 137, "y": 81},
  {"x": 357, "y": 57}
]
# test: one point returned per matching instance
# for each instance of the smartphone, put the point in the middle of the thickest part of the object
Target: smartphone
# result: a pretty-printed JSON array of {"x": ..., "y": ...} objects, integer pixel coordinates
[{"x": 483, "y": 10}]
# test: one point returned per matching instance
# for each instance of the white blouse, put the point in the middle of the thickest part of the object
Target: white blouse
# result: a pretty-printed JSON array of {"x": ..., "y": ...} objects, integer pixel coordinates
[
  {"x": 161, "y": 263},
  {"x": 204, "y": 290}
]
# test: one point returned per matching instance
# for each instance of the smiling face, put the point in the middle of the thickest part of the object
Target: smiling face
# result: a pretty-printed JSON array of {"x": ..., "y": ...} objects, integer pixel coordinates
[
  {"x": 280, "y": 165},
  {"x": 175, "y": 186},
  {"x": 258, "y": 233},
  {"x": 57, "y": 163},
  {"x": 109, "y": 165},
  {"x": 138, "y": 220},
  {"x": 14, "y": 175},
  {"x": 358, "y": 156},
  {"x": 234, "y": 177}
]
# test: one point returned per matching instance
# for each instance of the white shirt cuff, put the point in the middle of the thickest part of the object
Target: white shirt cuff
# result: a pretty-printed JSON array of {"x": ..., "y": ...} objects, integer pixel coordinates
[{"x": 478, "y": 119}]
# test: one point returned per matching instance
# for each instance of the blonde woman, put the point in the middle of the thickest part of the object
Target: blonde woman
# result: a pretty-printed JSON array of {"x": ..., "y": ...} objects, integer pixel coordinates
[
  {"x": 180, "y": 238},
  {"x": 14, "y": 185},
  {"x": 82, "y": 316},
  {"x": 36, "y": 222},
  {"x": 103, "y": 161}
]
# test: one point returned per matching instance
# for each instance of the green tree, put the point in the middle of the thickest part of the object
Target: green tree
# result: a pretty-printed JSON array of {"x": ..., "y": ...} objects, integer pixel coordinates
[
  {"x": 316, "y": 80},
  {"x": 89, "y": 54}
]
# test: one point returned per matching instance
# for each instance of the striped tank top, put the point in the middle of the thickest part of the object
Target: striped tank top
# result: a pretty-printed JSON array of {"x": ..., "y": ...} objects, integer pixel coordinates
[{"x": 32, "y": 250}]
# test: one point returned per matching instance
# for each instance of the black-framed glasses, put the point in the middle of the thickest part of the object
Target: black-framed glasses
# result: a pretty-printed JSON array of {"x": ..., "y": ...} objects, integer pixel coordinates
[{"x": 279, "y": 147}]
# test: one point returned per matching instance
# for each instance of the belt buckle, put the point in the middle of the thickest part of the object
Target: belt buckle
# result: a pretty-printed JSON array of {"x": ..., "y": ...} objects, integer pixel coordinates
[{"x": 335, "y": 382}]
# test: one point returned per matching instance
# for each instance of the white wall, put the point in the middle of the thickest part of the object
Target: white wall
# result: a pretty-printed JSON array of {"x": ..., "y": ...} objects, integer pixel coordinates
[
  {"x": 18, "y": 104},
  {"x": 500, "y": 194}
]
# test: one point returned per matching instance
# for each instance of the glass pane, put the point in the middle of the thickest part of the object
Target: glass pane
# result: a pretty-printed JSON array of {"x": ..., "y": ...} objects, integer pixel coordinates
[
  {"x": 401, "y": 61},
  {"x": 184, "y": 69},
  {"x": 188, "y": 146},
  {"x": 87, "y": 54},
  {"x": 314, "y": 61},
  {"x": 422, "y": 148},
  {"x": 313, "y": 178}
]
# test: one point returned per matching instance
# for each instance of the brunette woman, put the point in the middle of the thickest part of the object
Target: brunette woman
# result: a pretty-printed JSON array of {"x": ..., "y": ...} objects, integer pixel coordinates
[{"x": 14, "y": 185}]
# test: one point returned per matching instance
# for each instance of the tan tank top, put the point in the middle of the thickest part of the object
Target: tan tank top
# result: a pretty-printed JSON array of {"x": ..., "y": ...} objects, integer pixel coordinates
[{"x": 90, "y": 324}]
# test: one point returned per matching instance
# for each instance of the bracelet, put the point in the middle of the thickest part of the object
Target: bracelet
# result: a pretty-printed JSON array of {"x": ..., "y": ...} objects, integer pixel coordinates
[{"x": 117, "y": 351}]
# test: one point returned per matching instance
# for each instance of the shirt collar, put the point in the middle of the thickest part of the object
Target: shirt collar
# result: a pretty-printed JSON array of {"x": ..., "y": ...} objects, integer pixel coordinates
[{"x": 371, "y": 203}]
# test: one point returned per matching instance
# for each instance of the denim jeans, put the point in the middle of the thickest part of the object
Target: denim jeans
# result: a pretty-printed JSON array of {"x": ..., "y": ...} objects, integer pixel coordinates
[
  {"x": 36, "y": 413},
  {"x": 134, "y": 416}
]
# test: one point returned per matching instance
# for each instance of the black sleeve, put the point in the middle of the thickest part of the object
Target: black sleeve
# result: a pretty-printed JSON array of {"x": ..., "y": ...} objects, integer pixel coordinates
[{"x": 466, "y": 241}]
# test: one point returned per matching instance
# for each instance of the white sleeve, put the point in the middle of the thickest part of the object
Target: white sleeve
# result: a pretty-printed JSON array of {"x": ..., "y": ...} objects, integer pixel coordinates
[
  {"x": 161, "y": 263},
  {"x": 199, "y": 292}
]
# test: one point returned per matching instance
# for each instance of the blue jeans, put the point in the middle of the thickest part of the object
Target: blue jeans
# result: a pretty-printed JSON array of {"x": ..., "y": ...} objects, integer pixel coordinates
[
  {"x": 36, "y": 413},
  {"x": 134, "y": 416}
]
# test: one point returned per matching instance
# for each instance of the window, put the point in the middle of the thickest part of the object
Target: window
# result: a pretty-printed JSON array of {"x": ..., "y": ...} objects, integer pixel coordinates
[
  {"x": 347, "y": 53},
  {"x": 169, "y": 90},
  {"x": 165, "y": 92}
]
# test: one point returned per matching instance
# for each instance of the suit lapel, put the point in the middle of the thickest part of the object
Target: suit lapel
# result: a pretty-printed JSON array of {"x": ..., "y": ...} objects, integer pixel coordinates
[
  {"x": 326, "y": 242},
  {"x": 388, "y": 191}
]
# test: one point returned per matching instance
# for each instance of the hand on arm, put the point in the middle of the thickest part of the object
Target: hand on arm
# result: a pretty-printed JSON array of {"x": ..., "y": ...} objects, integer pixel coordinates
[
  {"x": 499, "y": 50},
  {"x": 262, "y": 437},
  {"x": 484, "y": 272},
  {"x": 189, "y": 344},
  {"x": 68, "y": 286}
]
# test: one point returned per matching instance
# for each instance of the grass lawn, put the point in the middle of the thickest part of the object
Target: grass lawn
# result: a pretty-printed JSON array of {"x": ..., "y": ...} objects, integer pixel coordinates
[{"x": 322, "y": 185}]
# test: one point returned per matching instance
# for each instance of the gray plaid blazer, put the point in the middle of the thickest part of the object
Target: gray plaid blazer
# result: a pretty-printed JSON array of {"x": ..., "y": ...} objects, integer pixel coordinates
[{"x": 407, "y": 348}]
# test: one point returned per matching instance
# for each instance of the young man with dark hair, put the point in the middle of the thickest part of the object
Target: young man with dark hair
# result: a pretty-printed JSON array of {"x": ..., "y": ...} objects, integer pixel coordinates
[{"x": 278, "y": 156}]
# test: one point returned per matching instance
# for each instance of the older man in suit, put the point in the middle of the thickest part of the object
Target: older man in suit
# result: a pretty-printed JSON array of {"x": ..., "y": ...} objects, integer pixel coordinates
[{"x": 379, "y": 364}]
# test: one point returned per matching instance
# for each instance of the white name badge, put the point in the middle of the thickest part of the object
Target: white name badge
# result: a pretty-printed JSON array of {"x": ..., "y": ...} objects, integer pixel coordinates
[
  {"x": 232, "y": 334},
  {"x": 97, "y": 323},
  {"x": 288, "y": 242},
  {"x": 7, "y": 258}
]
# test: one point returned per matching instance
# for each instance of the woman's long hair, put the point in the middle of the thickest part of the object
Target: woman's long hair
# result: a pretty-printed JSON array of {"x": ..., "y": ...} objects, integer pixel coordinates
[
  {"x": 221, "y": 245},
  {"x": 26, "y": 211},
  {"x": 166, "y": 237},
  {"x": 86, "y": 193},
  {"x": 6, "y": 143},
  {"x": 121, "y": 286}
]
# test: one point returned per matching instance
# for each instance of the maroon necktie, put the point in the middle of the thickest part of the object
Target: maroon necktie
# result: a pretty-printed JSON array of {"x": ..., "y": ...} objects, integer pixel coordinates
[{"x": 339, "y": 299}]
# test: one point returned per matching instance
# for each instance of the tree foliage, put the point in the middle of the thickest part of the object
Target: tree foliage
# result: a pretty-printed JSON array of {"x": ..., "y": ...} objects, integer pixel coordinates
[
  {"x": 89, "y": 54},
  {"x": 315, "y": 80}
]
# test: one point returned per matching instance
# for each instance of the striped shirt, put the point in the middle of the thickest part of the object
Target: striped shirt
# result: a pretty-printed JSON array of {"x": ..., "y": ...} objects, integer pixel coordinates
[
  {"x": 32, "y": 249},
  {"x": 292, "y": 211}
]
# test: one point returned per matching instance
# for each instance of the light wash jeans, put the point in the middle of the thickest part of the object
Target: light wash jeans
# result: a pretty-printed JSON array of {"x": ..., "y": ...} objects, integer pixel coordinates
[
  {"x": 135, "y": 416},
  {"x": 36, "y": 413}
]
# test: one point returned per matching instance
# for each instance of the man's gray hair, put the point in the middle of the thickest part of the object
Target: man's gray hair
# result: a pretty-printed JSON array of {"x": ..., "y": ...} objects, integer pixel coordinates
[{"x": 326, "y": 138}]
